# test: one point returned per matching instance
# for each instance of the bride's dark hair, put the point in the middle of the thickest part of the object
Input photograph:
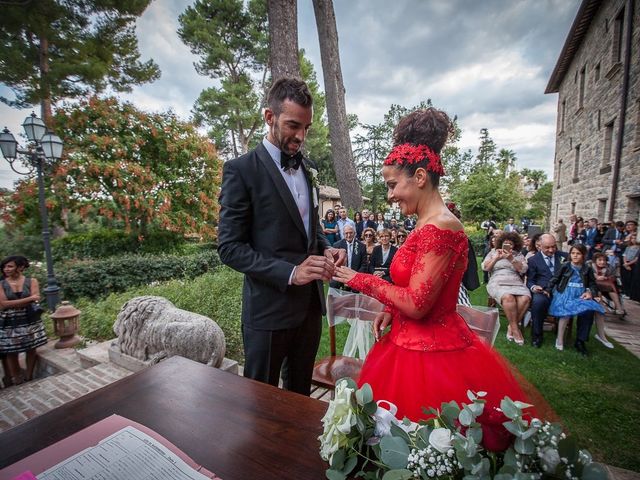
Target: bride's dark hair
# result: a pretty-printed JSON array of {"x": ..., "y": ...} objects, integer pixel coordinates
[{"x": 430, "y": 127}]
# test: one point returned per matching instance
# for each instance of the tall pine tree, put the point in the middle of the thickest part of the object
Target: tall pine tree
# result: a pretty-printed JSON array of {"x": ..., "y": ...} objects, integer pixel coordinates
[{"x": 56, "y": 49}]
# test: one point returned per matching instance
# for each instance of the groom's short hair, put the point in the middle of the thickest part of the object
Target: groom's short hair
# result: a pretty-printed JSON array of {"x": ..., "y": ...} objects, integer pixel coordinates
[{"x": 288, "y": 88}]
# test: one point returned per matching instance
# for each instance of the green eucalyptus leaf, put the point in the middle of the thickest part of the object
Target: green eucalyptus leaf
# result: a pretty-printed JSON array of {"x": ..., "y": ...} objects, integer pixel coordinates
[
  {"x": 525, "y": 447},
  {"x": 526, "y": 476},
  {"x": 594, "y": 471},
  {"x": 510, "y": 457},
  {"x": 337, "y": 461},
  {"x": 513, "y": 428},
  {"x": 471, "y": 396},
  {"x": 450, "y": 411},
  {"x": 465, "y": 417},
  {"x": 370, "y": 408},
  {"x": 476, "y": 408},
  {"x": 394, "y": 452},
  {"x": 509, "y": 408},
  {"x": 396, "y": 431},
  {"x": 475, "y": 433},
  {"x": 508, "y": 470},
  {"x": 350, "y": 464},
  {"x": 503, "y": 476},
  {"x": 364, "y": 395},
  {"x": 422, "y": 436},
  {"x": 350, "y": 382},
  {"x": 335, "y": 475},
  {"x": 529, "y": 433},
  {"x": 522, "y": 405},
  {"x": 399, "y": 474}
]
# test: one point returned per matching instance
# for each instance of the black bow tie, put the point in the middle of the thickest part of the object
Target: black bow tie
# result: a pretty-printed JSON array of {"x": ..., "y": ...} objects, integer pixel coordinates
[{"x": 290, "y": 161}]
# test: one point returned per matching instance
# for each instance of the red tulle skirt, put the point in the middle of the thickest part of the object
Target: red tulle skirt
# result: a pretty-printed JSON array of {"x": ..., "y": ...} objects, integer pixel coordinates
[{"x": 412, "y": 379}]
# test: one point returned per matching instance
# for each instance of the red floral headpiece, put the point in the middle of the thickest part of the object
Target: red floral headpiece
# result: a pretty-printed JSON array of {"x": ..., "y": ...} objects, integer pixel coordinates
[{"x": 407, "y": 153}]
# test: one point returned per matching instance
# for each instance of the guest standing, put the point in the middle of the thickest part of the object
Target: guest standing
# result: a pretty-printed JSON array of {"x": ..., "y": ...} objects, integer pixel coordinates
[
  {"x": 21, "y": 329},
  {"x": 330, "y": 227}
]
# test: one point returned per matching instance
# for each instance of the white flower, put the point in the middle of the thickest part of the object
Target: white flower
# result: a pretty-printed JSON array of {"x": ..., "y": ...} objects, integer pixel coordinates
[
  {"x": 337, "y": 422},
  {"x": 440, "y": 439},
  {"x": 550, "y": 459}
]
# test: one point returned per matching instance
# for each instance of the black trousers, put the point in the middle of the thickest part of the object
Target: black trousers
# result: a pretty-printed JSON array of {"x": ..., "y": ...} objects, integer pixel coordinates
[{"x": 291, "y": 351}]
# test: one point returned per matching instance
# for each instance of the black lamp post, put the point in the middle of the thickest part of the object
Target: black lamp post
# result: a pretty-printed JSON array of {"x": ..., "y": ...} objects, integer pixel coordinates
[{"x": 43, "y": 146}]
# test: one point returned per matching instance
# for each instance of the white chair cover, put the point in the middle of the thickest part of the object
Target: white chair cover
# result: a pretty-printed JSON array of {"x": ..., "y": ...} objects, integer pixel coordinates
[
  {"x": 484, "y": 321},
  {"x": 358, "y": 310}
]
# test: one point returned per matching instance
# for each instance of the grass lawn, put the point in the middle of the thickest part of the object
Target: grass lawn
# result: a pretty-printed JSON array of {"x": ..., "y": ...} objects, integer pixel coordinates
[{"x": 597, "y": 398}]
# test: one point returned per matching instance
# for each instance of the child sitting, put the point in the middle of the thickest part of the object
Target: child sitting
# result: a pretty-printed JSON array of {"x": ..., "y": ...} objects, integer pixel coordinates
[{"x": 606, "y": 280}]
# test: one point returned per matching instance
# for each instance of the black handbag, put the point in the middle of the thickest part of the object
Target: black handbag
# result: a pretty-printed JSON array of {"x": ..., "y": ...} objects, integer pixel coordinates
[{"x": 34, "y": 312}]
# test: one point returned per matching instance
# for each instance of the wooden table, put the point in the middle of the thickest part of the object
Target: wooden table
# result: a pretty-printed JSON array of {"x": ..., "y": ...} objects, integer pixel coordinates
[{"x": 233, "y": 426}]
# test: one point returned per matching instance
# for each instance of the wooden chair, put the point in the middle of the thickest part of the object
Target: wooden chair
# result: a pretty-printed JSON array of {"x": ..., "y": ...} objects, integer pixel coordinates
[{"x": 330, "y": 369}]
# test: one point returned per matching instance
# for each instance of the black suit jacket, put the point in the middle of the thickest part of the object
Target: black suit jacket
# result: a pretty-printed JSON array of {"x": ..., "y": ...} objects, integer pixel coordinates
[
  {"x": 261, "y": 234},
  {"x": 538, "y": 272},
  {"x": 357, "y": 258},
  {"x": 376, "y": 261}
]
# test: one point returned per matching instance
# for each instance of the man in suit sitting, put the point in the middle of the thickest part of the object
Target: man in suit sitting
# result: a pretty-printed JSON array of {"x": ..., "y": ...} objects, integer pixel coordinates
[
  {"x": 269, "y": 230},
  {"x": 542, "y": 266},
  {"x": 613, "y": 240},
  {"x": 356, "y": 252}
]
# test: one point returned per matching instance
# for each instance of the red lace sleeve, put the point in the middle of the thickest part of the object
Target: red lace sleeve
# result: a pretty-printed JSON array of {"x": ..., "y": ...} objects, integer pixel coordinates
[{"x": 436, "y": 258}]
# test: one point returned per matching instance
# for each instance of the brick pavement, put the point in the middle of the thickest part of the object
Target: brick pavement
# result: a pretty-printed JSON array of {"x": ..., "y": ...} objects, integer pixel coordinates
[{"x": 18, "y": 404}]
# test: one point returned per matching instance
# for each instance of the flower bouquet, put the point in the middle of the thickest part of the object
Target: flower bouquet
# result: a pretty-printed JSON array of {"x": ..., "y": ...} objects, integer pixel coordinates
[{"x": 363, "y": 438}]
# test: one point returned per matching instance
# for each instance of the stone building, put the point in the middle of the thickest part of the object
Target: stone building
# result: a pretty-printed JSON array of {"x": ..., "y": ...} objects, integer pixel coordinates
[{"x": 597, "y": 77}]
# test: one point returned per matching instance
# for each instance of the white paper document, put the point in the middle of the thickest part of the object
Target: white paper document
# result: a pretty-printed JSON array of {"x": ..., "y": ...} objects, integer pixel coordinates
[{"x": 127, "y": 454}]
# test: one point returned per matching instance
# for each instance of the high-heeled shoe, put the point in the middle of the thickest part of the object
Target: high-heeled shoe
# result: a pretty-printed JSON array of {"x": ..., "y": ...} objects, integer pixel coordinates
[
  {"x": 559, "y": 346},
  {"x": 520, "y": 342},
  {"x": 604, "y": 342},
  {"x": 510, "y": 337}
]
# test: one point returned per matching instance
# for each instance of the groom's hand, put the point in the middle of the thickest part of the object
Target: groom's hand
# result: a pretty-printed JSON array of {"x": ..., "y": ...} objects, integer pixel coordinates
[
  {"x": 337, "y": 255},
  {"x": 315, "y": 267}
]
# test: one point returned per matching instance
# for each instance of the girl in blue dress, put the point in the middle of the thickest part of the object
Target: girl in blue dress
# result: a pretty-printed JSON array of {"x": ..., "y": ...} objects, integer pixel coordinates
[{"x": 574, "y": 289}]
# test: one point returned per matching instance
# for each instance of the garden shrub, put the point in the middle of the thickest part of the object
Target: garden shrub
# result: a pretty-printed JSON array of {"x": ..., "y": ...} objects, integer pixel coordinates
[
  {"x": 107, "y": 242},
  {"x": 99, "y": 278},
  {"x": 216, "y": 294}
]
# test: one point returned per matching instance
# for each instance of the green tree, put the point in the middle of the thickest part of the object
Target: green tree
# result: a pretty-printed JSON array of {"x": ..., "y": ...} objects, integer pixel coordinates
[
  {"x": 540, "y": 204},
  {"x": 56, "y": 49},
  {"x": 232, "y": 40},
  {"x": 534, "y": 177},
  {"x": 506, "y": 161},
  {"x": 135, "y": 168},
  {"x": 370, "y": 149},
  {"x": 487, "y": 150},
  {"x": 487, "y": 193}
]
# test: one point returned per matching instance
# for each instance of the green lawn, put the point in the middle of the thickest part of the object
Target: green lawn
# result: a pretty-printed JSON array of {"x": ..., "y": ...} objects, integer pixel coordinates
[{"x": 597, "y": 398}]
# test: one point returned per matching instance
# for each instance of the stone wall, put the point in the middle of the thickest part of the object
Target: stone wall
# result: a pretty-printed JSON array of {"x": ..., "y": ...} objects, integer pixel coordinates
[{"x": 587, "y": 130}]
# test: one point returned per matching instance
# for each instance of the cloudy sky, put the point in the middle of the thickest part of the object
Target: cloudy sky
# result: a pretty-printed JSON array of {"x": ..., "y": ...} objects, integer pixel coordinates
[{"x": 488, "y": 62}]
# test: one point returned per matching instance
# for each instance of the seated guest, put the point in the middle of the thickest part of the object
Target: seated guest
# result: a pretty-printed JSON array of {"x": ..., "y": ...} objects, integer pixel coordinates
[
  {"x": 574, "y": 288},
  {"x": 382, "y": 256},
  {"x": 369, "y": 239},
  {"x": 534, "y": 245},
  {"x": 491, "y": 244},
  {"x": 355, "y": 253},
  {"x": 605, "y": 275},
  {"x": 540, "y": 269},
  {"x": 506, "y": 266},
  {"x": 526, "y": 241}
]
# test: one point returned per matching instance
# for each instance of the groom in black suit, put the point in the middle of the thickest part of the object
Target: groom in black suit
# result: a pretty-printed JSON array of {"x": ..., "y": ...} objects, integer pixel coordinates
[{"x": 269, "y": 230}]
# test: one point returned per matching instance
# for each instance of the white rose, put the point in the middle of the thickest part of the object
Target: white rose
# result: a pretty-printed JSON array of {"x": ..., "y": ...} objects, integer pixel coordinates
[{"x": 440, "y": 439}]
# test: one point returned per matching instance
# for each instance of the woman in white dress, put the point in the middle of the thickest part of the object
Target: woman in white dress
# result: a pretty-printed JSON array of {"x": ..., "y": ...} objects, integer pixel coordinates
[{"x": 507, "y": 265}]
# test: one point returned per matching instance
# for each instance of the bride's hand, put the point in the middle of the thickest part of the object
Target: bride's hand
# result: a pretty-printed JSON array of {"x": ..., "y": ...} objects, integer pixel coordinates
[
  {"x": 344, "y": 274},
  {"x": 382, "y": 321}
]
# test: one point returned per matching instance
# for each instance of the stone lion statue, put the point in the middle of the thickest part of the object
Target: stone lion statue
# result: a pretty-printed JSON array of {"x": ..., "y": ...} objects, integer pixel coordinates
[{"x": 152, "y": 328}]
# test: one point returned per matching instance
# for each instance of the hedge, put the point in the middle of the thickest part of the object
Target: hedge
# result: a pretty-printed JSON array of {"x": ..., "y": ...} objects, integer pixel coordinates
[
  {"x": 106, "y": 242},
  {"x": 99, "y": 278}
]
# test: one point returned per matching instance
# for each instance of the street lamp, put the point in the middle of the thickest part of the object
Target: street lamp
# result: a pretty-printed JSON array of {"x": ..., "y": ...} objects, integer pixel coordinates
[{"x": 43, "y": 146}]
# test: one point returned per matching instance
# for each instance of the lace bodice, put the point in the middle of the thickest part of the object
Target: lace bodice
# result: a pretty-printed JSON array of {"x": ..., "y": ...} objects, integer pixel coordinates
[{"x": 426, "y": 273}]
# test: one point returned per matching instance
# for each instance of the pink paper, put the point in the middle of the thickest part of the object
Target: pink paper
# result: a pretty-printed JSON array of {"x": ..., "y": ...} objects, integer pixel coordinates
[{"x": 25, "y": 476}]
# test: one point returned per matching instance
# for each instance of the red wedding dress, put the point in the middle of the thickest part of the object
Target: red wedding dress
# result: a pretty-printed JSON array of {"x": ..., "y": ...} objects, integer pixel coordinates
[{"x": 430, "y": 355}]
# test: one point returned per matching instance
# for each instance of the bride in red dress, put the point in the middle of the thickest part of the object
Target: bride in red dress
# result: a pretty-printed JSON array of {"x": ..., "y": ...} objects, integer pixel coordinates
[{"x": 430, "y": 355}]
